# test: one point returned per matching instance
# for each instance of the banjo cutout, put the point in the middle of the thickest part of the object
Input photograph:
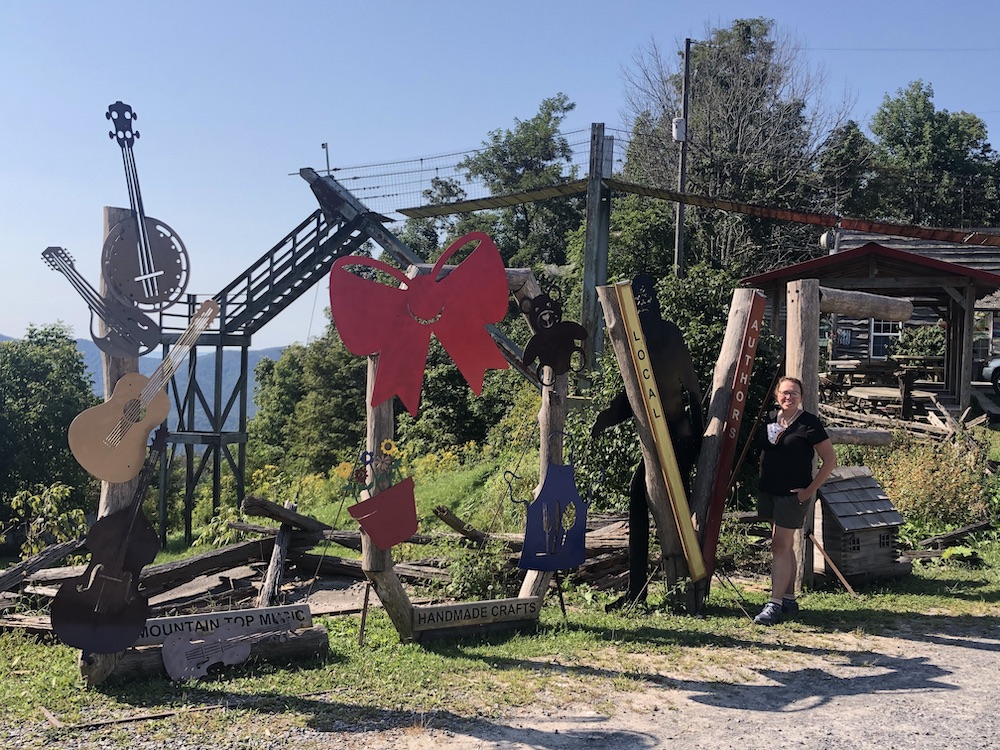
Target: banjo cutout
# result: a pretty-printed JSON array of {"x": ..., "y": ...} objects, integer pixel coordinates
[
  {"x": 397, "y": 322},
  {"x": 144, "y": 262}
]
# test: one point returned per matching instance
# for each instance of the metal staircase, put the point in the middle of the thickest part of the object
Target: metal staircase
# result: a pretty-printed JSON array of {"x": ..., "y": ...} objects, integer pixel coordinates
[
  {"x": 269, "y": 285},
  {"x": 303, "y": 257}
]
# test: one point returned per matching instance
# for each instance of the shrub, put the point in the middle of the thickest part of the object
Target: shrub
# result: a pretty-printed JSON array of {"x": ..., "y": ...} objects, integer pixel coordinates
[{"x": 936, "y": 487}]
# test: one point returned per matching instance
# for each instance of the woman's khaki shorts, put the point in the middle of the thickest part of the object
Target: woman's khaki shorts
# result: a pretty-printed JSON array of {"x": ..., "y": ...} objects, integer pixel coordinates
[{"x": 785, "y": 510}]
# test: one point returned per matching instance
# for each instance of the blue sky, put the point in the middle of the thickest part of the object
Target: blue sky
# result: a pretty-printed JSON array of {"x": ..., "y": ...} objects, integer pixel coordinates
[{"x": 233, "y": 97}]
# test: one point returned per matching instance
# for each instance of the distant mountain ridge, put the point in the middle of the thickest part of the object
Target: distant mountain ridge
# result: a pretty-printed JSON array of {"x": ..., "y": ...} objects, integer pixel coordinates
[
  {"x": 206, "y": 376},
  {"x": 206, "y": 369}
]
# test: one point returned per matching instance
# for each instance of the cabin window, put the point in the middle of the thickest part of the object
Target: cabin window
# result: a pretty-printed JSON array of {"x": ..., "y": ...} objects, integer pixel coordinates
[
  {"x": 886, "y": 540},
  {"x": 883, "y": 332}
]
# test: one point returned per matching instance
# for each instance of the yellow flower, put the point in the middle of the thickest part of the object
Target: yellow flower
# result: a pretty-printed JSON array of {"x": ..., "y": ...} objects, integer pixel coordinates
[
  {"x": 344, "y": 470},
  {"x": 389, "y": 447}
]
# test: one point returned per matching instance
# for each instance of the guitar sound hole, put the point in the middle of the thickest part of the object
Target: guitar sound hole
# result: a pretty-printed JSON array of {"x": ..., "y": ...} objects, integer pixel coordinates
[{"x": 135, "y": 411}]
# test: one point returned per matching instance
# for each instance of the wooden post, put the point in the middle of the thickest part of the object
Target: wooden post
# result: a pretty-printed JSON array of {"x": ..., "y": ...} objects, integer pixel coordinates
[
  {"x": 272, "y": 578},
  {"x": 377, "y": 563},
  {"x": 551, "y": 421},
  {"x": 802, "y": 362},
  {"x": 675, "y": 566},
  {"x": 114, "y": 496}
]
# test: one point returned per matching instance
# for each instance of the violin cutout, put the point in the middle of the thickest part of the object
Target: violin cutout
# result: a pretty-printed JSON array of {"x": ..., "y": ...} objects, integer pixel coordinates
[
  {"x": 103, "y": 611},
  {"x": 187, "y": 656},
  {"x": 109, "y": 440},
  {"x": 143, "y": 260},
  {"x": 130, "y": 332}
]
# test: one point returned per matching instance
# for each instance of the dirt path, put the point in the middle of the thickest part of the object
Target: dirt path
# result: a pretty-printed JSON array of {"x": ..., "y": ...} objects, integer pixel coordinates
[{"x": 924, "y": 691}]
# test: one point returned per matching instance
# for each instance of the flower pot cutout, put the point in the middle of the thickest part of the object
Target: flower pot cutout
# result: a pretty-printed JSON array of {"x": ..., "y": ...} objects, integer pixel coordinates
[{"x": 390, "y": 517}]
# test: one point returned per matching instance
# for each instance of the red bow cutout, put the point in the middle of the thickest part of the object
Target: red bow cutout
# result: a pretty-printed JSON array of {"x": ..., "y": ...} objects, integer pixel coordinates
[{"x": 397, "y": 322}]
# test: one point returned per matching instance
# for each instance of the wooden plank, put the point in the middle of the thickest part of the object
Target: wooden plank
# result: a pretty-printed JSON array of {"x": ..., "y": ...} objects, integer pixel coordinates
[
  {"x": 291, "y": 616},
  {"x": 464, "y": 614},
  {"x": 308, "y": 643}
]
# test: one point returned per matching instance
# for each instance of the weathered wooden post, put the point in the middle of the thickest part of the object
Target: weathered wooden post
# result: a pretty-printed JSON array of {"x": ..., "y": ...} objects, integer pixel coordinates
[
  {"x": 114, "y": 496},
  {"x": 377, "y": 563},
  {"x": 674, "y": 562}
]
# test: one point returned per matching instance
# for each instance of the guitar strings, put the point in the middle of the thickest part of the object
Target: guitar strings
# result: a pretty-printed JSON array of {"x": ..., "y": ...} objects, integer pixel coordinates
[
  {"x": 93, "y": 299},
  {"x": 160, "y": 376},
  {"x": 149, "y": 283}
]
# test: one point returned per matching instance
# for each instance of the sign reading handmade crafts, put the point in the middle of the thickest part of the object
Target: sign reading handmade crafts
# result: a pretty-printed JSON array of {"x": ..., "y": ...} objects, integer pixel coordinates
[
  {"x": 396, "y": 322},
  {"x": 476, "y": 613},
  {"x": 655, "y": 413}
]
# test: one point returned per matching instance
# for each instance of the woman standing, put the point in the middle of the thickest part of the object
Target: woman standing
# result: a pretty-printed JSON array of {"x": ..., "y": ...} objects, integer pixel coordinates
[{"x": 786, "y": 485}]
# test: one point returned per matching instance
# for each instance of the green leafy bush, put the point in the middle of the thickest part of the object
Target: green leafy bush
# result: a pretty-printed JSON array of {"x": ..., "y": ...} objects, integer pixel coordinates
[
  {"x": 480, "y": 573},
  {"x": 45, "y": 516},
  {"x": 936, "y": 487}
]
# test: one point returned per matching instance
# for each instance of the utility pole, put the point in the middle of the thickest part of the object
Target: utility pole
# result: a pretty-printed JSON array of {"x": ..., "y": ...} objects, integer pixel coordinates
[
  {"x": 326, "y": 148},
  {"x": 680, "y": 135}
]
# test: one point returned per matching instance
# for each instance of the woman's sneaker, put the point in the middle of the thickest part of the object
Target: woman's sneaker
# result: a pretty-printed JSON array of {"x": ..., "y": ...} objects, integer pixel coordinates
[
  {"x": 789, "y": 608},
  {"x": 770, "y": 615}
]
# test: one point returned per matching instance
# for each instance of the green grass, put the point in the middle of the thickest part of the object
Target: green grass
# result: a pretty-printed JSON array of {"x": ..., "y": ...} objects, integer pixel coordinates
[{"x": 585, "y": 658}]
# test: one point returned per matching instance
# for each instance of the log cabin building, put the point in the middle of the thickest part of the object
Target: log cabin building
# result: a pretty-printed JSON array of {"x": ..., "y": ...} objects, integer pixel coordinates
[{"x": 943, "y": 292}]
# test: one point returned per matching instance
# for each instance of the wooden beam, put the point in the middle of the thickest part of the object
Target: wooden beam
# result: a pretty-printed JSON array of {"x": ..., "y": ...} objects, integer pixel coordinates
[{"x": 864, "y": 305}]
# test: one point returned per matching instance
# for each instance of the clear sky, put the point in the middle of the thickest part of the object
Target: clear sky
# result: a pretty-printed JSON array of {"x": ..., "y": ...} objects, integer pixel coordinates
[{"x": 233, "y": 97}]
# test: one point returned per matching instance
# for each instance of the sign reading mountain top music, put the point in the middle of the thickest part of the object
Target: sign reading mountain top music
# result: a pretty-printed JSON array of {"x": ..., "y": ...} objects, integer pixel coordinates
[
  {"x": 476, "y": 613},
  {"x": 290, "y": 617}
]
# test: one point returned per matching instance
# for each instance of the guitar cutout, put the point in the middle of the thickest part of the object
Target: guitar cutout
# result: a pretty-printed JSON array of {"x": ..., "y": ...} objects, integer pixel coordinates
[
  {"x": 103, "y": 611},
  {"x": 108, "y": 440},
  {"x": 130, "y": 332},
  {"x": 188, "y": 657},
  {"x": 143, "y": 260}
]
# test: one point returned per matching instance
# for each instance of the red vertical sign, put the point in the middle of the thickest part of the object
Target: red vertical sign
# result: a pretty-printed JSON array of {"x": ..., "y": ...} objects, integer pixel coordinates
[{"x": 731, "y": 430}]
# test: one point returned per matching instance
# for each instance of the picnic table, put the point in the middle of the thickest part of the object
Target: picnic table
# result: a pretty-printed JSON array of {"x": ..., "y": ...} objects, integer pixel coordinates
[{"x": 886, "y": 399}]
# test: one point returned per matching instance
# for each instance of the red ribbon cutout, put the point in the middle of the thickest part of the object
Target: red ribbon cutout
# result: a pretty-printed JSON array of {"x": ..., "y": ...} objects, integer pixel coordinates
[{"x": 397, "y": 322}]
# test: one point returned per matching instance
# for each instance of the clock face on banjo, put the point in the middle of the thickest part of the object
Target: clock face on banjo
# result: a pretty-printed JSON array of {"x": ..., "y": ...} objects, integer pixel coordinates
[{"x": 144, "y": 262}]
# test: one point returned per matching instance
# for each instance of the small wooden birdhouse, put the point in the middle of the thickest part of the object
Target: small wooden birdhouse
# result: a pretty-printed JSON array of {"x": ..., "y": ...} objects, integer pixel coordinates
[{"x": 860, "y": 526}]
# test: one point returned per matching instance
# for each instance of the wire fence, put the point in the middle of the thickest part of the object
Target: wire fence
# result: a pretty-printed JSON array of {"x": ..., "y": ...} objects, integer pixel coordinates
[{"x": 387, "y": 187}]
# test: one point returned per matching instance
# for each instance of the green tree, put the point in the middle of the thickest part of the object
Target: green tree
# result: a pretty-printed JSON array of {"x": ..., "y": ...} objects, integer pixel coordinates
[
  {"x": 756, "y": 123},
  {"x": 43, "y": 386},
  {"x": 935, "y": 168},
  {"x": 310, "y": 407},
  {"x": 532, "y": 155}
]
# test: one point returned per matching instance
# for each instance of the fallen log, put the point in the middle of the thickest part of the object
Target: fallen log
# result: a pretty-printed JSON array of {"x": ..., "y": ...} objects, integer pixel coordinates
[
  {"x": 14, "y": 576},
  {"x": 310, "y": 643},
  {"x": 254, "y": 505},
  {"x": 330, "y": 565}
]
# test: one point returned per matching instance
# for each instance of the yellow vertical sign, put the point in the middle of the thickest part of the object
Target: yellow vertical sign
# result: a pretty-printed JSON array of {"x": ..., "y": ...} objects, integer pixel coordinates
[{"x": 660, "y": 430}]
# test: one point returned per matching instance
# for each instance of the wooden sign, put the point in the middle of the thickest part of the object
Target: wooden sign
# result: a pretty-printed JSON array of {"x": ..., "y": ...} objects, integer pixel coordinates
[
  {"x": 289, "y": 617},
  {"x": 731, "y": 430},
  {"x": 476, "y": 613},
  {"x": 661, "y": 432}
]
